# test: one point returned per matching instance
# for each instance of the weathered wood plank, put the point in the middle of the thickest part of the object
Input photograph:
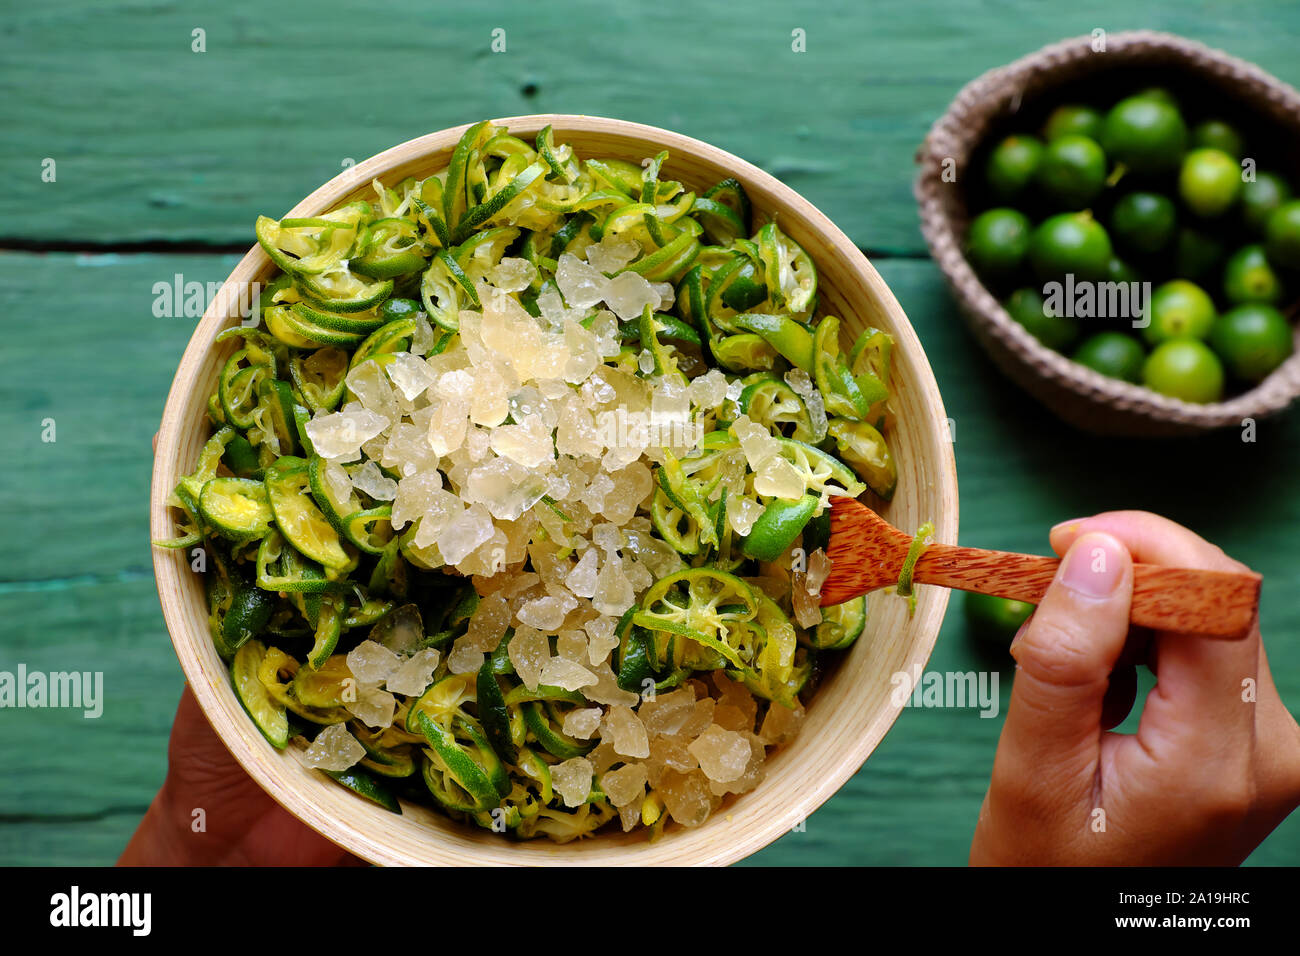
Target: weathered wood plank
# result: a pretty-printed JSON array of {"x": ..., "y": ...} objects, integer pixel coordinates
[
  {"x": 93, "y": 842},
  {"x": 59, "y": 763},
  {"x": 94, "y": 359},
  {"x": 182, "y": 146},
  {"x": 914, "y": 802},
  {"x": 155, "y": 142}
]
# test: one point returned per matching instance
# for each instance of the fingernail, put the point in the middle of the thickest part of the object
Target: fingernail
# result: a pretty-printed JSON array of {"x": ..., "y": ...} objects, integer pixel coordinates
[
  {"x": 1093, "y": 565},
  {"x": 1069, "y": 521},
  {"x": 1020, "y": 632}
]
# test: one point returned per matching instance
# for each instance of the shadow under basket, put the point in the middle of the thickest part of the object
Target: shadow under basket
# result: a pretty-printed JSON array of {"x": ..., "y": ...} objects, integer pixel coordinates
[{"x": 992, "y": 104}]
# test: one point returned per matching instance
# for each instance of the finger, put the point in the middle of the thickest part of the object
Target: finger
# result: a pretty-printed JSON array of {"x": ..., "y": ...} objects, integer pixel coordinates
[
  {"x": 1277, "y": 756},
  {"x": 1065, "y": 656},
  {"x": 1279, "y": 735},
  {"x": 1150, "y": 538},
  {"x": 1197, "y": 705}
]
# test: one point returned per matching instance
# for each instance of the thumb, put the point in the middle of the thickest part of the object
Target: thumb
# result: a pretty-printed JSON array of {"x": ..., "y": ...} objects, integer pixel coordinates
[{"x": 1064, "y": 657}]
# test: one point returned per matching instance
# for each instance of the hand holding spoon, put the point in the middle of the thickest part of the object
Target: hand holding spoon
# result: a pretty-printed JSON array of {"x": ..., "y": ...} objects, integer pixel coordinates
[{"x": 867, "y": 553}]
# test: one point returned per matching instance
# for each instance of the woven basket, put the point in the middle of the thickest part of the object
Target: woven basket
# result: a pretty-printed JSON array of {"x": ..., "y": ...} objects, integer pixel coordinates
[{"x": 991, "y": 103}]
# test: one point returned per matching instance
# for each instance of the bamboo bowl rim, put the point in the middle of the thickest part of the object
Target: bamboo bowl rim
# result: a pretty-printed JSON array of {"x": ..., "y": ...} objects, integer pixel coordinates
[
  {"x": 800, "y": 775},
  {"x": 1075, "y": 393}
]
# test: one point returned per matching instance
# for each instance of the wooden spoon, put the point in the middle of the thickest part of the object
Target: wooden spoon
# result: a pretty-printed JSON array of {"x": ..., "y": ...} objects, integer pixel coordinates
[{"x": 867, "y": 553}]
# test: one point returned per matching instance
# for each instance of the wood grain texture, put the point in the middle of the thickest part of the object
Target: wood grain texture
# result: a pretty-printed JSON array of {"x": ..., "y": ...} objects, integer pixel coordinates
[
  {"x": 867, "y": 553},
  {"x": 853, "y": 707},
  {"x": 93, "y": 358},
  {"x": 1186, "y": 600},
  {"x": 61, "y": 765},
  {"x": 156, "y": 142},
  {"x": 153, "y": 145},
  {"x": 62, "y": 841}
]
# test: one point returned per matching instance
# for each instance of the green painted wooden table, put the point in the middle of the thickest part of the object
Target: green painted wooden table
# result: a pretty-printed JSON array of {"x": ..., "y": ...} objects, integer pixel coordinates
[{"x": 164, "y": 155}]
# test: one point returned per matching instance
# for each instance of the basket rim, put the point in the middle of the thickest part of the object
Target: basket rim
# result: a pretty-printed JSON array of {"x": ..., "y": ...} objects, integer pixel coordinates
[{"x": 984, "y": 99}]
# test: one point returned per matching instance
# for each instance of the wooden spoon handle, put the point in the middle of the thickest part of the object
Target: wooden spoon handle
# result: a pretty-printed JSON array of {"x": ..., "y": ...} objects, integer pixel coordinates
[{"x": 1212, "y": 603}]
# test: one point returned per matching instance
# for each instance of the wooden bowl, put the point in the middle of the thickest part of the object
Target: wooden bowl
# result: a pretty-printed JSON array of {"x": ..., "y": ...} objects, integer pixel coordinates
[
  {"x": 850, "y": 712},
  {"x": 1006, "y": 99}
]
